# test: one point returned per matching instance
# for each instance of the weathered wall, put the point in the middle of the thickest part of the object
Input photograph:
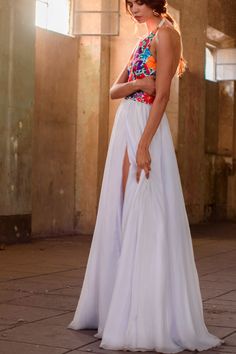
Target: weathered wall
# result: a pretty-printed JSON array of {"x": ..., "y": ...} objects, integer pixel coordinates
[
  {"x": 222, "y": 16},
  {"x": 92, "y": 131},
  {"x": 17, "y": 40},
  {"x": 231, "y": 202},
  {"x": 186, "y": 112},
  {"x": 92, "y": 120},
  {"x": 70, "y": 131},
  {"x": 54, "y": 134},
  {"x": 74, "y": 117},
  {"x": 207, "y": 171},
  {"x": 220, "y": 161},
  {"x": 220, "y": 184},
  {"x": 192, "y": 106}
]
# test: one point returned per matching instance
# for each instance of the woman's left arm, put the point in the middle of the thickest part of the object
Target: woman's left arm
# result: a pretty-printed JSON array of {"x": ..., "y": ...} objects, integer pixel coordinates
[{"x": 165, "y": 71}]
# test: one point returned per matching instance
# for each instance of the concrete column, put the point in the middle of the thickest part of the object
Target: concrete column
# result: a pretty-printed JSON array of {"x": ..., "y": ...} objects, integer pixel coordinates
[
  {"x": 92, "y": 128},
  {"x": 54, "y": 134},
  {"x": 17, "y": 38},
  {"x": 192, "y": 108},
  {"x": 231, "y": 212},
  {"x": 226, "y": 108}
]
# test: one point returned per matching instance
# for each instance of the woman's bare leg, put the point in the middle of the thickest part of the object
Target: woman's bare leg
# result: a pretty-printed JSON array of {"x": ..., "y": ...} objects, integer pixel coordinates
[{"x": 125, "y": 170}]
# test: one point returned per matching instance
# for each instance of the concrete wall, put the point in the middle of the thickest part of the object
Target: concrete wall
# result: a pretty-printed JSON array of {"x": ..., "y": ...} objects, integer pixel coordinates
[
  {"x": 200, "y": 174},
  {"x": 59, "y": 180},
  {"x": 218, "y": 148},
  {"x": 220, "y": 183},
  {"x": 17, "y": 39},
  {"x": 70, "y": 133},
  {"x": 231, "y": 202},
  {"x": 222, "y": 16},
  {"x": 207, "y": 116},
  {"x": 54, "y": 134},
  {"x": 193, "y": 23}
]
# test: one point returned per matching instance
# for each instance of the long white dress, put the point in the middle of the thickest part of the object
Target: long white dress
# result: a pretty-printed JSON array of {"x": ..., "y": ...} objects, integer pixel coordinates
[{"x": 141, "y": 288}]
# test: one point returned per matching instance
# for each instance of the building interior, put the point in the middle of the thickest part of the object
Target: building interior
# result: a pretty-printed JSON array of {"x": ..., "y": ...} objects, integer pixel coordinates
[{"x": 58, "y": 60}]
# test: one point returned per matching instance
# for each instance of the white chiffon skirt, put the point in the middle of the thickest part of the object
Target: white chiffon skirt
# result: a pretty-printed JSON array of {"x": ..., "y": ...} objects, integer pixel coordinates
[{"x": 141, "y": 288}]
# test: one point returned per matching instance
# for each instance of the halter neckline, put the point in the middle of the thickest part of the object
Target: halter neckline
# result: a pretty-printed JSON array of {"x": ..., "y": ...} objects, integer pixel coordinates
[{"x": 160, "y": 24}]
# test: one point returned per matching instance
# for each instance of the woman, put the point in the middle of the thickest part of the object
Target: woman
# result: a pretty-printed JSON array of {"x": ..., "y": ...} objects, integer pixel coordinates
[{"x": 141, "y": 287}]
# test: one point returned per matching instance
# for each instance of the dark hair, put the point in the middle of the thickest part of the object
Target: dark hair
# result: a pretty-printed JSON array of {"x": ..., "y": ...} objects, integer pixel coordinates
[{"x": 160, "y": 7}]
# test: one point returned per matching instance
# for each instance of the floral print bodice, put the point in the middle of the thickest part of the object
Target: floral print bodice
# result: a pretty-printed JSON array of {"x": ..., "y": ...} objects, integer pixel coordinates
[{"x": 141, "y": 64}]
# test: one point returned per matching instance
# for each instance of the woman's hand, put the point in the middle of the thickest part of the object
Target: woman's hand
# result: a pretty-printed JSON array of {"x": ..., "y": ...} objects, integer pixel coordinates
[
  {"x": 143, "y": 161},
  {"x": 147, "y": 84}
]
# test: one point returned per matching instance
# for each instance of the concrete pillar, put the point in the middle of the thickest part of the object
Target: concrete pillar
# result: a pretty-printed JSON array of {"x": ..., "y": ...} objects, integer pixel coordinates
[
  {"x": 192, "y": 108},
  {"x": 17, "y": 38},
  {"x": 54, "y": 134},
  {"x": 92, "y": 119},
  {"x": 226, "y": 108},
  {"x": 92, "y": 128},
  {"x": 231, "y": 212}
]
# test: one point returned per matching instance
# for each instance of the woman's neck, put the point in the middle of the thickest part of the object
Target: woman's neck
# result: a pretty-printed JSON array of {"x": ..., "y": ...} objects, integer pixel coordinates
[{"x": 153, "y": 23}]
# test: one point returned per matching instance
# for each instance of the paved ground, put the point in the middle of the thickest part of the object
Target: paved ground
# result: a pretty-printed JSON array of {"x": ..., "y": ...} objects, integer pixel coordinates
[{"x": 40, "y": 284}]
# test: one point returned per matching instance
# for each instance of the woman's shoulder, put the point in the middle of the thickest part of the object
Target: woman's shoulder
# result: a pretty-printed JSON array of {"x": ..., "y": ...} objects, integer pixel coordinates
[{"x": 168, "y": 33}]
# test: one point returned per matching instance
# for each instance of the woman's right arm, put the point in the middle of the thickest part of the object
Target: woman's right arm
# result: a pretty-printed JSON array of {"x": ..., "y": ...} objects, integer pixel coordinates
[{"x": 122, "y": 87}]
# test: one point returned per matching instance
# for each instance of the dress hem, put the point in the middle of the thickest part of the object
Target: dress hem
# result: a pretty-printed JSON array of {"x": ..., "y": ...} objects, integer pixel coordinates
[{"x": 124, "y": 348}]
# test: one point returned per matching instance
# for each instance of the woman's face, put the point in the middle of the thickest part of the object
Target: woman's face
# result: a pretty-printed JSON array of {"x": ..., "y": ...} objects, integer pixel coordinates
[{"x": 140, "y": 11}]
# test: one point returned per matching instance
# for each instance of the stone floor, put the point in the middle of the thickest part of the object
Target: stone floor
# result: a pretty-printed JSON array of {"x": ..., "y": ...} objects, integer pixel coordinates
[{"x": 40, "y": 284}]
